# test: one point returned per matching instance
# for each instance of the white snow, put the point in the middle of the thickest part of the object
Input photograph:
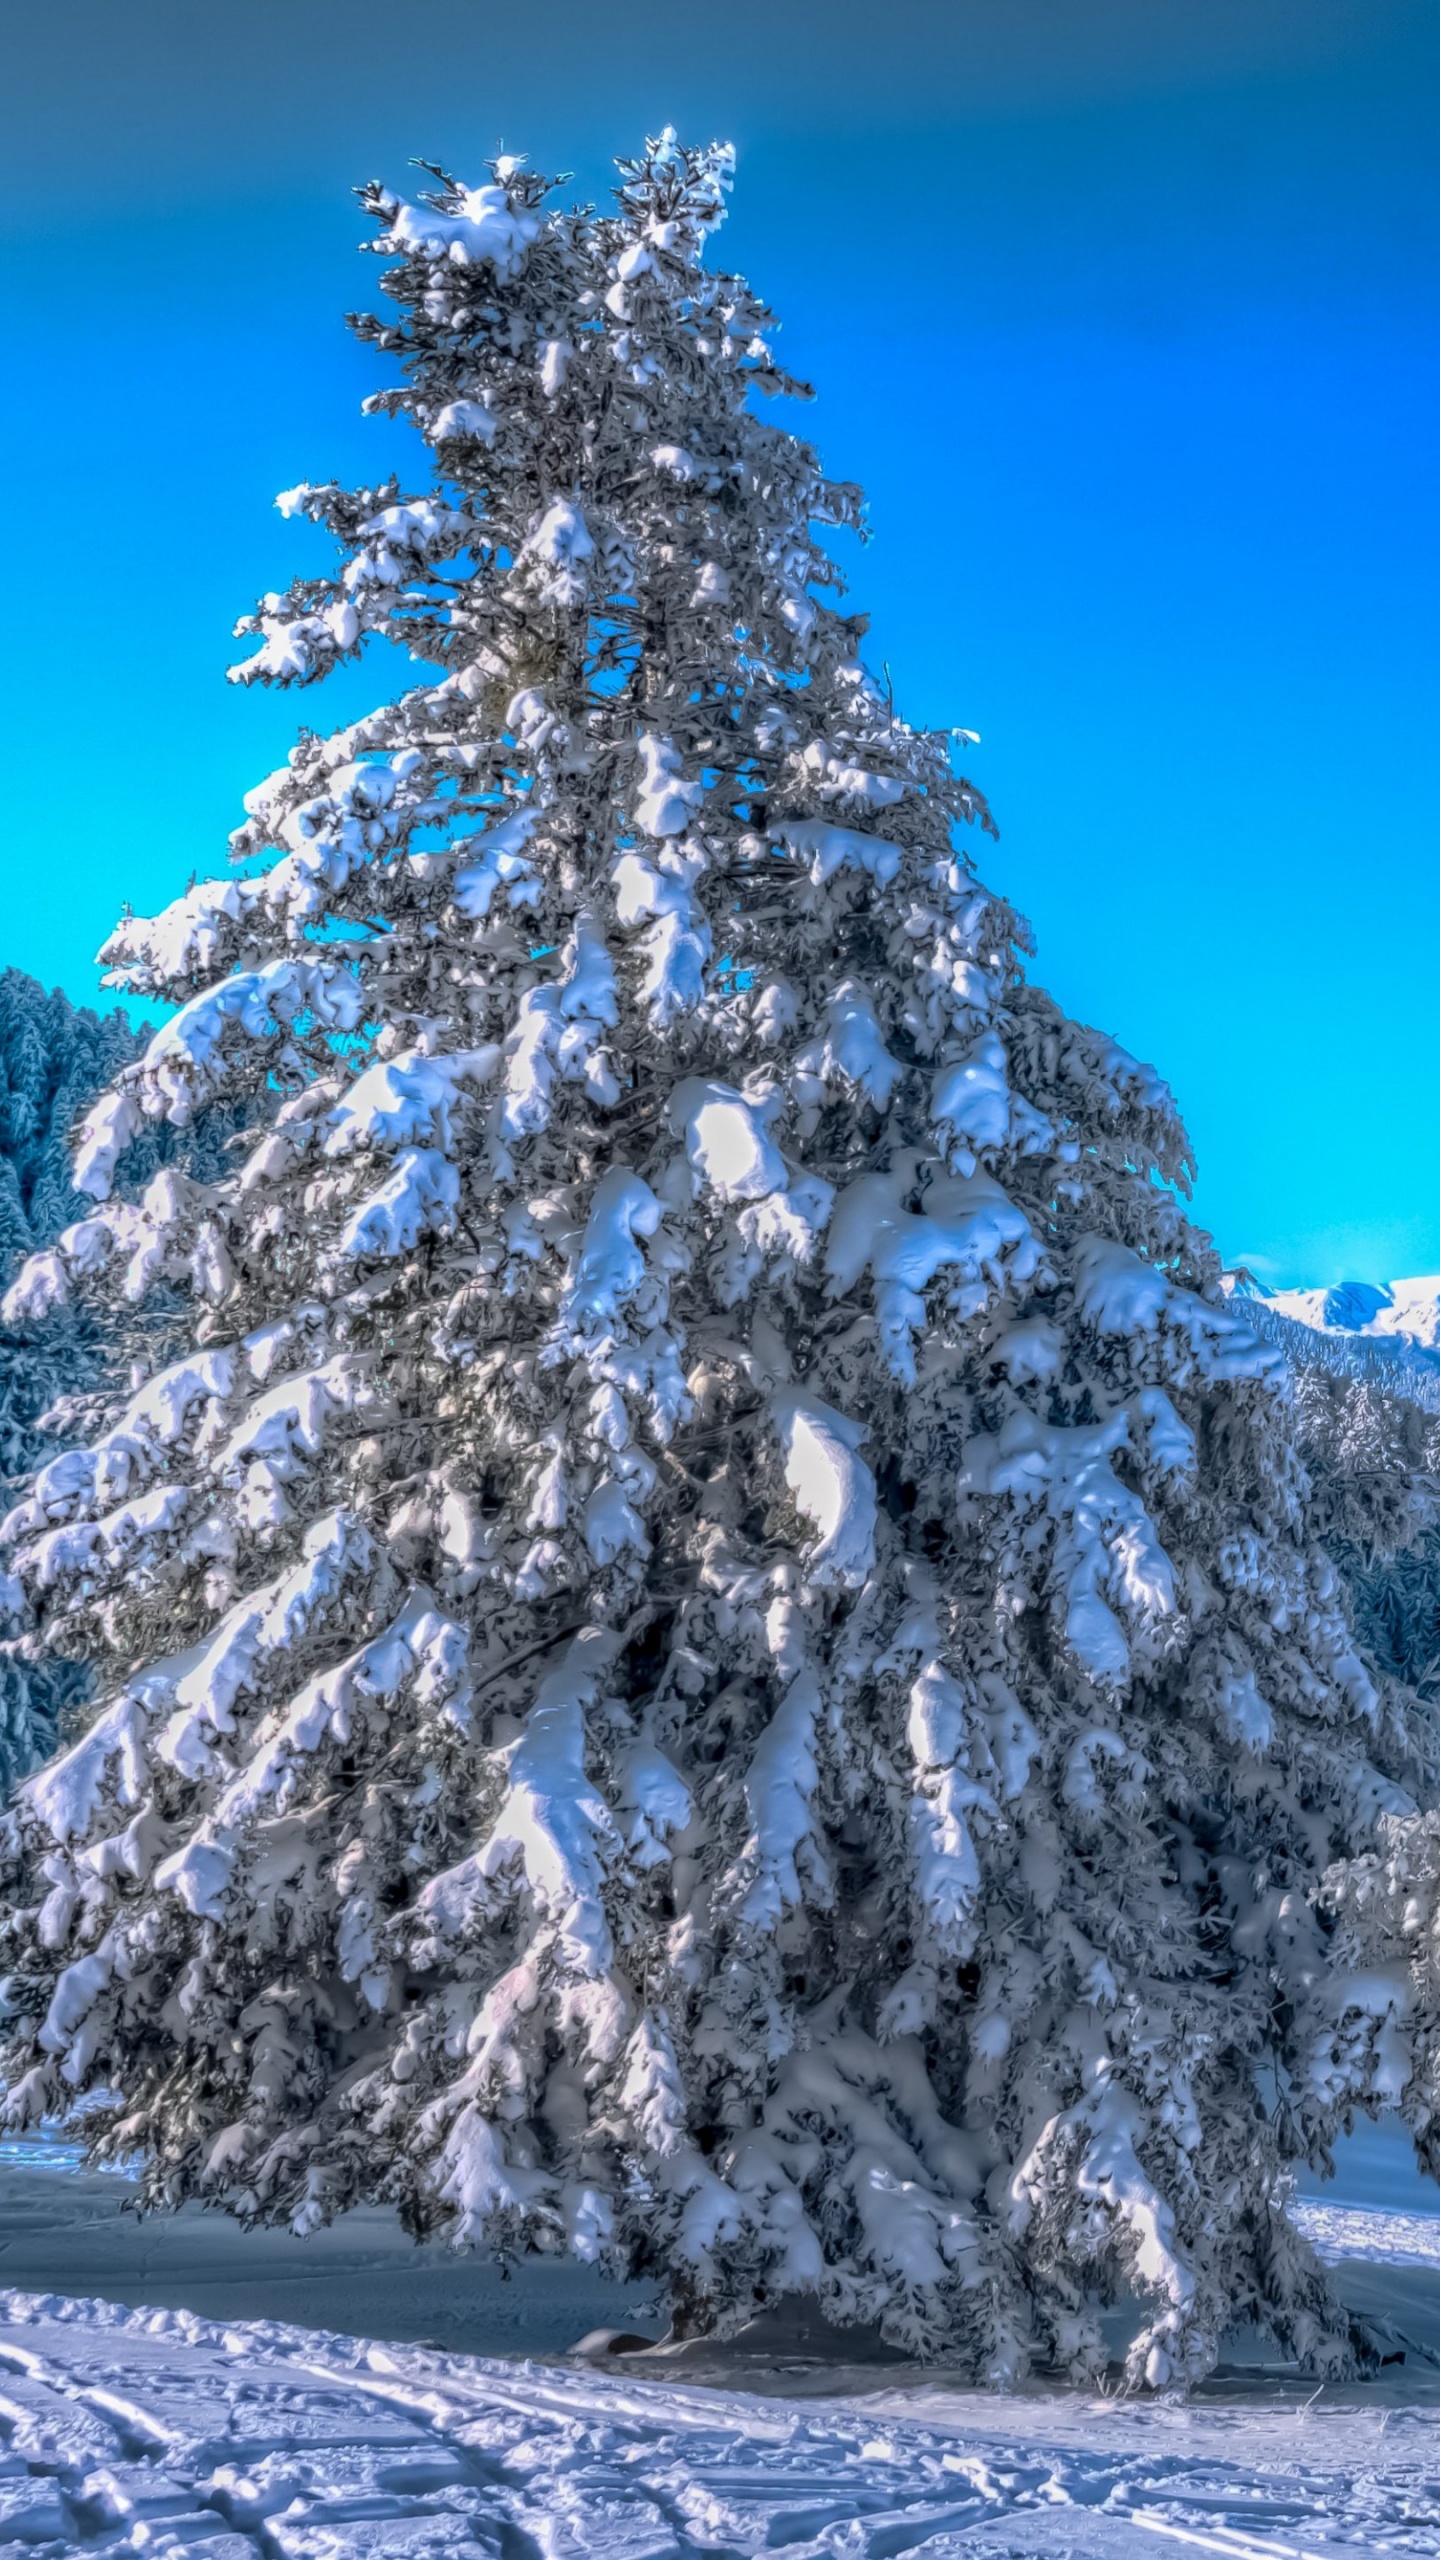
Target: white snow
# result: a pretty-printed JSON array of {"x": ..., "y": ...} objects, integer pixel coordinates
[
  {"x": 486, "y": 230},
  {"x": 839, "y": 777},
  {"x": 727, "y": 1138},
  {"x": 833, "y": 1487},
  {"x": 967, "y": 1225},
  {"x": 1109, "y": 1564},
  {"x": 611, "y": 1265},
  {"x": 180, "y": 1067},
  {"x": 1404, "y": 1311},
  {"x": 1372, "y": 2232},
  {"x": 418, "y": 1197},
  {"x": 429, "y": 2408},
  {"x": 560, "y": 548},
  {"x": 553, "y": 1824},
  {"x": 828, "y": 849},
  {"x": 971, "y": 1102},
  {"x": 852, "y": 1049},
  {"x": 497, "y": 862},
  {"x": 1114, "y": 1290},
  {"x": 779, "y": 1785},
  {"x": 405, "y": 1100},
  {"x": 666, "y": 802},
  {"x": 163, "y": 2432},
  {"x": 660, "y": 896},
  {"x": 463, "y": 418}
]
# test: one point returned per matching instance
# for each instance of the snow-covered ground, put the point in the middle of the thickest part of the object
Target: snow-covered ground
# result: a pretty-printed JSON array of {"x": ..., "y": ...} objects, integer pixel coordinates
[
  {"x": 67, "y": 2230},
  {"x": 163, "y": 2433},
  {"x": 1370, "y": 2232},
  {"x": 160, "y": 2430}
]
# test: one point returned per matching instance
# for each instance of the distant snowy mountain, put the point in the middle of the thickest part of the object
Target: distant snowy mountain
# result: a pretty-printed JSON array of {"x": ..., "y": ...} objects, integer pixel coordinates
[
  {"x": 1385, "y": 1330},
  {"x": 1406, "y": 1312}
]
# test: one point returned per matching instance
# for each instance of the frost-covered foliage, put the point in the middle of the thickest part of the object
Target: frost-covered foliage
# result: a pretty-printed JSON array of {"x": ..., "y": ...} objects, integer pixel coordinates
[
  {"x": 1397, "y": 1607},
  {"x": 1367, "y": 1423},
  {"x": 54, "y": 1060},
  {"x": 1366, "y": 1426},
  {"x": 1395, "y": 1363},
  {"x": 717, "y": 1657},
  {"x": 1373, "y": 1455}
]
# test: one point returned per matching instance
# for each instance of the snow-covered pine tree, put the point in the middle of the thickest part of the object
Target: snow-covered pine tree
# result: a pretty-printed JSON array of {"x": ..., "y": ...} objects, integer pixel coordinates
[
  {"x": 1397, "y": 1607},
  {"x": 715, "y": 1655}
]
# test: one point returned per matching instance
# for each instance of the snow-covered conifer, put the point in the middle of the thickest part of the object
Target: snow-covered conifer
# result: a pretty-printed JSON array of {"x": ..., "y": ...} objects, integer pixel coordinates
[{"x": 716, "y": 1659}]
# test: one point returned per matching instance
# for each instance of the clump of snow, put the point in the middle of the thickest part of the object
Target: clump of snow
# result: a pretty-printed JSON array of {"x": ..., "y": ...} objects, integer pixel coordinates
[
  {"x": 830, "y": 849},
  {"x": 497, "y": 865},
  {"x": 727, "y": 1138},
  {"x": 463, "y": 418},
  {"x": 559, "y": 548},
  {"x": 851, "y": 1048},
  {"x": 965, "y": 1225},
  {"x": 665, "y": 802},
  {"x": 485, "y": 229},
  {"x": 832, "y": 1486}
]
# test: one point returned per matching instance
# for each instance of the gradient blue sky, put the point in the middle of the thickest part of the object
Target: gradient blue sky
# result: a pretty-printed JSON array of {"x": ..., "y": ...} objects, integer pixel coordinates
[{"x": 1124, "y": 312}]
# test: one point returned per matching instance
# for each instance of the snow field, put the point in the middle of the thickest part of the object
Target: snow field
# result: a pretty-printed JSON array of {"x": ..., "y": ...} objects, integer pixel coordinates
[
  {"x": 156, "y": 2432},
  {"x": 1371, "y": 2232}
]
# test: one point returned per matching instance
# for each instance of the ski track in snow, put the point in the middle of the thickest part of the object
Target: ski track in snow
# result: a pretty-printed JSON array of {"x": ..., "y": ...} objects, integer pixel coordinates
[{"x": 161, "y": 2433}]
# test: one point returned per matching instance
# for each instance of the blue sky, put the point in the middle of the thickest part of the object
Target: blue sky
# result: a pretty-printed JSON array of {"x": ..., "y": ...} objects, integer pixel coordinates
[{"x": 1123, "y": 311}]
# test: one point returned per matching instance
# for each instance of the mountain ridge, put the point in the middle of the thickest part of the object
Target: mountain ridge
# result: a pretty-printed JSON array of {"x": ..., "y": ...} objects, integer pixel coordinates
[{"x": 1385, "y": 1331}]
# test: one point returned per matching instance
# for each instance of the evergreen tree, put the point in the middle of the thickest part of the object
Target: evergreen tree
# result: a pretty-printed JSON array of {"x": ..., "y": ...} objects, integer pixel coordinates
[{"x": 716, "y": 1653}]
